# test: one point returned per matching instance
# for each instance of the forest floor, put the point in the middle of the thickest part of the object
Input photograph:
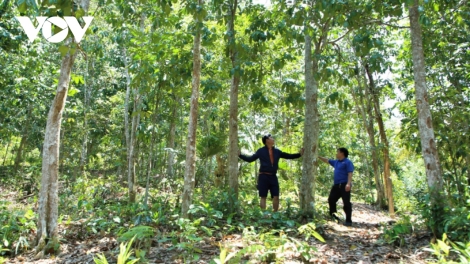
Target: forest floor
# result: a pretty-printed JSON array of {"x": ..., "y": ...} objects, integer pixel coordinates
[{"x": 362, "y": 243}]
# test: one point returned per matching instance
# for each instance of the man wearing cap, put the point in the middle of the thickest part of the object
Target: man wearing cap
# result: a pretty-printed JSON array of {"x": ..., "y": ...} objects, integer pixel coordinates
[
  {"x": 269, "y": 160},
  {"x": 344, "y": 169}
]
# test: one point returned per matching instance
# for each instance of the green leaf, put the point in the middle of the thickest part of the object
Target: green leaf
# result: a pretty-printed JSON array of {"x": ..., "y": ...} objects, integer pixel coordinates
[
  {"x": 72, "y": 91},
  {"x": 22, "y": 7},
  {"x": 79, "y": 13},
  {"x": 63, "y": 50}
]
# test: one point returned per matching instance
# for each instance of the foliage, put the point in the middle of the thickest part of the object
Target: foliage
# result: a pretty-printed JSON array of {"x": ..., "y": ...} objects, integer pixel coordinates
[
  {"x": 205, "y": 209},
  {"x": 124, "y": 257},
  {"x": 269, "y": 41},
  {"x": 142, "y": 236},
  {"x": 447, "y": 251},
  {"x": 396, "y": 233},
  {"x": 188, "y": 239},
  {"x": 456, "y": 218},
  {"x": 272, "y": 244},
  {"x": 16, "y": 226}
]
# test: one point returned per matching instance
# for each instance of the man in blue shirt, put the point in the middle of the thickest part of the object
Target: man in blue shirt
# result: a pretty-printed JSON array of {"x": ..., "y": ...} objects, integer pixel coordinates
[
  {"x": 269, "y": 160},
  {"x": 344, "y": 169}
]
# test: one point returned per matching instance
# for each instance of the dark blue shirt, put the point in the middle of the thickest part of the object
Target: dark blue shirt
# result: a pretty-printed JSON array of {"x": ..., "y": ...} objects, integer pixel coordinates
[
  {"x": 342, "y": 168},
  {"x": 265, "y": 162}
]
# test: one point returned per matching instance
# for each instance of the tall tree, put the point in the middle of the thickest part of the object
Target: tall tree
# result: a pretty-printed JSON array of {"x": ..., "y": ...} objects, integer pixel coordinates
[
  {"x": 383, "y": 137},
  {"x": 48, "y": 209},
  {"x": 233, "y": 121},
  {"x": 311, "y": 128},
  {"x": 426, "y": 130},
  {"x": 190, "y": 163},
  {"x": 171, "y": 140},
  {"x": 130, "y": 130},
  {"x": 363, "y": 104}
]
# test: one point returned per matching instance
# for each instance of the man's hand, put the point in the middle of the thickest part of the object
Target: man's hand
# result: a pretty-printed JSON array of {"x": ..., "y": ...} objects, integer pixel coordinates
[
  {"x": 348, "y": 187},
  {"x": 302, "y": 152}
]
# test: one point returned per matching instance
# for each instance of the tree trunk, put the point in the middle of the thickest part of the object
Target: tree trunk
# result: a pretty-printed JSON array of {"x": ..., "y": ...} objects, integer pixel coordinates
[
  {"x": 375, "y": 156},
  {"x": 367, "y": 119},
  {"x": 384, "y": 140},
  {"x": 233, "y": 122},
  {"x": 152, "y": 151},
  {"x": 19, "y": 152},
  {"x": 47, "y": 232},
  {"x": 190, "y": 164},
  {"x": 130, "y": 134},
  {"x": 307, "y": 197},
  {"x": 126, "y": 107},
  {"x": 6, "y": 151},
  {"x": 131, "y": 176},
  {"x": 468, "y": 169},
  {"x": 86, "y": 95},
  {"x": 171, "y": 143},
  {"x": 426, "y": 130},
  {"x": 220, "y": 172}
]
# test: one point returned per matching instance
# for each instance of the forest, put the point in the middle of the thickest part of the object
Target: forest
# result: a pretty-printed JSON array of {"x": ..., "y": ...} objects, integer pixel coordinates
[{"x": 122, "y": 124}]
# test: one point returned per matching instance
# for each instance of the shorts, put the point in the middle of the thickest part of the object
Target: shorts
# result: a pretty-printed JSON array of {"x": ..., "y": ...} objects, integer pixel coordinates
[{"x": 268, "y": 183}]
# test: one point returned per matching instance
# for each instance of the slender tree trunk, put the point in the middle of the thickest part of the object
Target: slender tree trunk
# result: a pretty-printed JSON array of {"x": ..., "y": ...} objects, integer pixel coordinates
[
  {"x": 151, "y": 154},
  {"x": 368, "y": 118},
  {"x": 190, "y": 164},
  {"x": 6, "y": 152},
  {"x": 220, "y": 172},
  {"x": 368, "y": 124},
  {"x": 130, "y": 133},
  {"x": 126, "y": 107},
  {"x": 307, "y": 197},
  {"x": 171, "y": 142},
  {"x": 47, "y": 231},
  {"x": 19, "y": 152},
  {"x": 131, "y": 176},
  {"x": 375, "y": 156},
  {"x": 426, "y": 130},
  {"x": 384, "y": 139},
  {"x": 86, "y": 95},
  {"x": 468, "y": 169},
  {"x": 233, "y": 122}
]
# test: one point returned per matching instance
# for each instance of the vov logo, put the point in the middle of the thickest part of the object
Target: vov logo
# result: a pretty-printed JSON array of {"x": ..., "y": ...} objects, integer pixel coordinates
[{"x": 45, "y": 23}]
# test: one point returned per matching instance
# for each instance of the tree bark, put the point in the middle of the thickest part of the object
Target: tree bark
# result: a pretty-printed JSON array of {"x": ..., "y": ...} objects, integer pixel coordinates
[
  {"x": 47, "y": 232},
  {"x": 126, "y": 106},
  {"x": 48, "y": 207},
  {"x": 130, "y": 133},
  {"x": 6, "y": 151},
  {"x": 384, "y": 140},
  {"x": 133, "y": 145},
  {"x": 468, "y": 169},
  {"x": 86, "y": 99},
  {"x": 19, "y": 152},
  {"x": 220, "y": 172},
  {"x": 233, "y": 122},
  {"x": 190, "y": 163},
  {"x": 365, "y": 110},
  {"x": 426, "y": 130},
  {"x": 307, "y": 197},
  {"x": 171, "y": 143}
]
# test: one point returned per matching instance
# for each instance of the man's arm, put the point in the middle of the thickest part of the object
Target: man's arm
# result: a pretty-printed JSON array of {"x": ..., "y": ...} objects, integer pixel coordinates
[
  {"x": 249, "y": 158},
  {"x": 324, "y": 159},
  {"x": 348, "y": 186},
  {"x": 350, "y": 173},
  {"x": 292, "y": 156}
]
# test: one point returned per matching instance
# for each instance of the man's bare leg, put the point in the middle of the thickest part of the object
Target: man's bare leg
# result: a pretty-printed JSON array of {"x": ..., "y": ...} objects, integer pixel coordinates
[
  {"x": 262, "y": 203},
  {"x": 275, "y": 203}
]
